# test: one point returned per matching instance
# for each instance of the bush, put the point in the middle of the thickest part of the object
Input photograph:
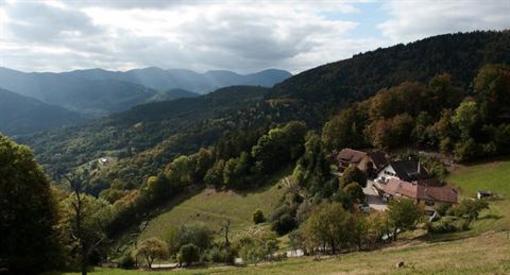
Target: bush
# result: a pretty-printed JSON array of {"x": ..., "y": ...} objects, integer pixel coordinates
[
  {"x": 441, "y": 227},
  {"x": 225, "y": 255},
  {"x": 127, "y": 262},
  {"x": 188, "y": 254},
  {"x": 196, "y": 233},
  {"x": 258, "y": 216},
  {"x": 443, "y": 208},
  {"x": 284, "y": 224},
  {"x": 470, "y": 209}
]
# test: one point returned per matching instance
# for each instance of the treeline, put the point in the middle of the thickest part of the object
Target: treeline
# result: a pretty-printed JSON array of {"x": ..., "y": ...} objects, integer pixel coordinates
[{"x": 441, "y": 116}]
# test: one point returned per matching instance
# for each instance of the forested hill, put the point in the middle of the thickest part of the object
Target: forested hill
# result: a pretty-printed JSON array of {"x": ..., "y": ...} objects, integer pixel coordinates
[
  {"x": 146, "y": 137},
  {"x": 460, "y": 55},
  {"x": 23, "y": 115}
]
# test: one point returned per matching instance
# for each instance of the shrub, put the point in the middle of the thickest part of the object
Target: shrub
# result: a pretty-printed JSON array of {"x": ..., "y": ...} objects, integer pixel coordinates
[
  {"x": 258, "y": 216},
  {"x": 196, "y": 233},
  {"x": 441, "y": 227},
  {"x": 443, "y": 208},
  {"x": 225, "y": 255},
  {"x": 127, "y": 262},
  {"x": 470, "y": 209},
  {"x": 188, "y": 254},
  {"x": 284, "y": 224}
]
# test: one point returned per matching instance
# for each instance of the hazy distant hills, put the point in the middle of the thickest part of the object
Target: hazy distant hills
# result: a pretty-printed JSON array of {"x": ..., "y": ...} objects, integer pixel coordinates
[
  {"x": 99, "y": 92},
  {"x": 22, "y": 115},
  {"x": 201, "y": 83}
]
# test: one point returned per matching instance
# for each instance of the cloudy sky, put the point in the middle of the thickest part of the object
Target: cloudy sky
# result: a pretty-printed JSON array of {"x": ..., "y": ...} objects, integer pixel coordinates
[{"x": 243, "y": 36}]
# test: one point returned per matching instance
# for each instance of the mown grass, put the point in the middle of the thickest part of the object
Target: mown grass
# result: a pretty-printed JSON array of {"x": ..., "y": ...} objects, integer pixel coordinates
[
  {"x": 485, "y": 254},
  {"x": 215, "y": 207}
]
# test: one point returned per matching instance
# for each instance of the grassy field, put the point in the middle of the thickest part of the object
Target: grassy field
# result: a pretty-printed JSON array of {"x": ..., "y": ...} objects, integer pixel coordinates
[
  {"x": 495, "y": 177},
  {"x": 488, "y": 253},
  {"x": 215, "y": 207}
]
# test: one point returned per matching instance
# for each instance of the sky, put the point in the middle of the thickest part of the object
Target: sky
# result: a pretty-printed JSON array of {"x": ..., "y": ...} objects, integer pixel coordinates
[{"x": 242, "y": 36}]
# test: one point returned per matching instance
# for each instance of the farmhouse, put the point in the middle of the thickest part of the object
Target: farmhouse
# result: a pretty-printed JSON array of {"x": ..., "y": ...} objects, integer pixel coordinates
[
  {"x": 430, "y": 195},
  {"x": 371, "y": 162}
]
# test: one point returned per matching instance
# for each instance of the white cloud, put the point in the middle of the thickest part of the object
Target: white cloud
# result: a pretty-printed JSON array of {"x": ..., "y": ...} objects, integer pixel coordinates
[
  {"x": 202, "y": 35},
  {"x": 411, "y": 20},
  {"x": 198, "y": 35}
]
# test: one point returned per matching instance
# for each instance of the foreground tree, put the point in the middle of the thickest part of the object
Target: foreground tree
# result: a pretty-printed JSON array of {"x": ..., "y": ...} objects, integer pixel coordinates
[
  {"x": 84, "y": 219},
  {"x": 27, "y": 213},
  {"x": 152, "y": 249},
  {"x": 403, "y": 214}
]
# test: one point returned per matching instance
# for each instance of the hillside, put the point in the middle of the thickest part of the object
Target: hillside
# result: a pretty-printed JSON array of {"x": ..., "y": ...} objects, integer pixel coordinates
[
  {"x": 312, "y": 96},
  {"x": 214, "y": 208},
  {"x": 21, "y": 115},
  {"x": 460, "y": 55},
  {"x": 171, "y": 95},
  {"x": 487, "y": 176},
  {"x": 149, "y": 135},
  {"x": 484, "y": 249},
  {"x": 485, "y": 254}
]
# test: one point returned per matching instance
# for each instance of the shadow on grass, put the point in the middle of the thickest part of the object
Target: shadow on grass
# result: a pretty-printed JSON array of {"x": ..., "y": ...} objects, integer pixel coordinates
[{"x": 264, "y": 185}]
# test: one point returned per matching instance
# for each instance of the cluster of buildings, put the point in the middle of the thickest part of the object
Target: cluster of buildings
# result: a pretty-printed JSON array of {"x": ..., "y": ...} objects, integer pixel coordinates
[{"x": 398, "y": 178}]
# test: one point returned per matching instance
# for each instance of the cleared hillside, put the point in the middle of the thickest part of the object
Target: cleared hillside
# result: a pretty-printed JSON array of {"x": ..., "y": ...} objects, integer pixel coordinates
[{"x": 215, "y": 207}]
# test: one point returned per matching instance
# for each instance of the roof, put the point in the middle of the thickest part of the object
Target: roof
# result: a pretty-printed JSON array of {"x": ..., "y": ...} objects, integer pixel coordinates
[
  {"x": 409, "y": 170},
  {"x": 378, "y": 159},
  {"x": 437, "y": 193},
  {"x": 396, "y": 187},
  {"x": 350, "y": 155}
]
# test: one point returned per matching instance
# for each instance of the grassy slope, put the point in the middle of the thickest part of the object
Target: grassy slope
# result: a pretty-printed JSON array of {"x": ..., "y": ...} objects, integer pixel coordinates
[
  {"x": 485, "y": 254},
  {"x": 214, "y": 208},
  {"x": 476, "y": 253},
  {"x": 492, "y": 176}
]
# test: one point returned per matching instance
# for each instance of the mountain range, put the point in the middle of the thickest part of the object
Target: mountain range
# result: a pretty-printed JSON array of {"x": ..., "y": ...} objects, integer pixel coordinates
[{"x": 97, "y": 92}]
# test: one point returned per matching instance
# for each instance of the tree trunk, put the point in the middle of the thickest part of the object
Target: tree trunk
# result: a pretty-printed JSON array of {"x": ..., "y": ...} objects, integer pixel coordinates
[
  {"x": 333, "y": 248},
  {"x": 395, "y": 234}
]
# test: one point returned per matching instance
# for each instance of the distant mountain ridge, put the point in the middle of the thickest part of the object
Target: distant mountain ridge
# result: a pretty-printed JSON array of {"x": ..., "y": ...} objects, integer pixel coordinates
[
  {"x": 99, "y": 92},
  {"x": 23, "y": 115},
  {"x": 160, "y": 79}
]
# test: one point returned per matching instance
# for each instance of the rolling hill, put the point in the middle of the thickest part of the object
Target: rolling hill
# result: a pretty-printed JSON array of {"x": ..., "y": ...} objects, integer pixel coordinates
[{"x": 21, "y": 115}]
